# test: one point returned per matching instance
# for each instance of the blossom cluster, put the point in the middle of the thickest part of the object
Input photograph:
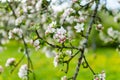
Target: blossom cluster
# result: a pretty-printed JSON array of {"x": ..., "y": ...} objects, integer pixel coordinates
[
  {"x": 112, "y": 35},
  {"x": 58, "y": 21},
  {"x": 15, "y": 31},
  {"x": 36, "y": 43},
  {"x": 100, "y": 76}
]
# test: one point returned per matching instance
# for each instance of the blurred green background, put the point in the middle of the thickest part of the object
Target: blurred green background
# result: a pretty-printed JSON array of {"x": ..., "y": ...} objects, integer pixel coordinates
[{"x": 106, "y": 59}]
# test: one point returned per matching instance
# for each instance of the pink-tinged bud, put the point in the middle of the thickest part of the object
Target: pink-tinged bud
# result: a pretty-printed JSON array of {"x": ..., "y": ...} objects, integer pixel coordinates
[
  {"x": 99, "y": 27},
  {"x": 81, "y": 19}
]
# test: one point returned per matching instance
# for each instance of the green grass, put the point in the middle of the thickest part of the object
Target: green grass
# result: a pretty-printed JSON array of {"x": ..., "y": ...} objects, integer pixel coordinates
[{"x": 106, "y": 59}]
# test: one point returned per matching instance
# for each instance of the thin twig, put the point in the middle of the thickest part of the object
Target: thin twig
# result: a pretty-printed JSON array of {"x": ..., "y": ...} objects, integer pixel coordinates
[
  {"x": 17, "y": 63},
  {"x": 86, "y": 42},
  {"x": 12, "y": 9},
  {"x": 25, "y": 46},
  {"x": 68, "y": 61},
  {"x": 27, "y": 54},
  {"x": 88, "y": 65},
  {"x": 28, "y": 59}
]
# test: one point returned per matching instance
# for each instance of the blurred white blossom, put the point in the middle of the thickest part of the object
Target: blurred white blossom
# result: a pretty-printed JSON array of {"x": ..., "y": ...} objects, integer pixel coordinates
[
  {"x": 100, "y": 76},
  {"x": 23, "y": 72},
  {"x": 70, "y": 33},
  {"x": 38, "y": 5},
  {"x": 84, "y": 2},
  {"x": 19, "y": 20},
  {"x": 64, "y": 78},
  {"x": 56, "y": 60},
  {"x": 1, "y": 48},
  {"x": 96, "y": 78},
  {"x": 66, "y": 14},
  {"x": 113, "y": 33},
  {"x": 57, "y": 7},
  {"x": 17, "y": 31},
  {"x": 69, "y": 52},
  {"x": 113, "y": 5},
  {"x": 10, "y": 62},
  {"x": 99, "y": 27},
  {"x": 48, "y": 52},
  {"x": 50, "y": 28},
  {"x": 79, "y": 27},
  {"x": 117, "y": 18},
  {"x": 110, "y": 32},
  {"x": 104, "y": 37},
  {"x": 36, "y": 43},
  {"x": 70, "y": 19}
]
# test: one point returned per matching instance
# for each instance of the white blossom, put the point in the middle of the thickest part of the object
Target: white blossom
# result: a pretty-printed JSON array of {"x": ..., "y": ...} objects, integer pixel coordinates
[
  {"x": 1, "y": 48},
  {"x": 4, "y": 34},
  {"x": 104, "y": 38},
  {"x": 81, "y": 19},
  {"x": 38, "y": 5},
  {"x": 23, "y": 72},
  {"x": 10, "y": 34},
  {"x": 4, "y": 41},
  {"x": 10, "y": 62},
  {"x": 69, "y": 52},
  {"x": 70, "y": 33},
  {"x": 61, "y": 31},
  {"x": 60, "y": 7},
  {"x": 117, "y": 18},
  {"x": 84, "y": 2},
  {"x": 17, "y": 31},
  {"x": 60, "y": 35},
  {"x": 36, "y": 42},
  {"x": 19, "y": 20},
  {"x": 56, "y": 60},
  {"x": 112, "y": 33},
  {"x": 113, "y": 5},
  {"x": 48, "y": 52},
  {"x": 3, "y": 1},
  {"x": 102, "y": 2},
  {"x": 23, "y": 1},
  {"x": 99, "y": 27},
  {"x": 70, "y": 19},
  {"x": 64, "y": 78},
  {"x": 50, "y": 28},
  {"x": 66, "y": 13},
  {"x": 96, "y": 78},
  {"x": 102, "y": 75},
  {"x": 37, "y": 48},
  {"x": 79, "y": 27},
  {"x": 24, "y": 7}
]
